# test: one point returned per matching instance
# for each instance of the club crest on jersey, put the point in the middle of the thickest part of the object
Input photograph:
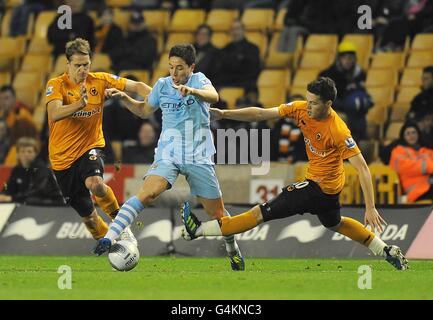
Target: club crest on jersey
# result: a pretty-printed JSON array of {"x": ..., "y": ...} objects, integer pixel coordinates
[
  {"x": 93, "y": 157},
  {"x": 318, "y": 136},
  {"x": 49, "y": 91},
  {"x": 350, "y": 143},
  {"x": 115, "y": 77},
  {"x": 93, "y": 91},
  {"x": 70, "y": 94}
]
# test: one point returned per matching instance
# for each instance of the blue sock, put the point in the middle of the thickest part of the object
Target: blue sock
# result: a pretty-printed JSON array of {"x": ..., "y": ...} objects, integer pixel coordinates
[{"x": 127, "y": 214}]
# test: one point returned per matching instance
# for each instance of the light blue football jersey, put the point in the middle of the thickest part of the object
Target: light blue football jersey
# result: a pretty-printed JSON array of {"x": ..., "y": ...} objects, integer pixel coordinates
[{"x": 186, "y": 136}]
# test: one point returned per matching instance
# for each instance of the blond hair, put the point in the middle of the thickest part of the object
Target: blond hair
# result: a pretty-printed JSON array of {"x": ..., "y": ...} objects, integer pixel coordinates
[
  {"x": 77, "y": 46},
  {"x": 28, "y": 142}
]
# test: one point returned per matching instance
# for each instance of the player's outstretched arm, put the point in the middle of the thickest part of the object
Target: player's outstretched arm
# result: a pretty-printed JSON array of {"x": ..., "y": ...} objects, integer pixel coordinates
[
  {"x": 139, "y": 88},
  {"x": 207, "y": 93},
  {"x": 57, "y": 111},
  {"x": 372, "y": 217},
  {"x": 139, "y": 108},
  {"x": 246, "y": 114}
]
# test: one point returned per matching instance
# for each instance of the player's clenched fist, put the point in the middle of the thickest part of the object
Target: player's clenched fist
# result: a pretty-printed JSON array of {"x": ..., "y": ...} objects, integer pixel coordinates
[
  {"x": 216, "y": 114},
  {"x": 114, "y": 93}
]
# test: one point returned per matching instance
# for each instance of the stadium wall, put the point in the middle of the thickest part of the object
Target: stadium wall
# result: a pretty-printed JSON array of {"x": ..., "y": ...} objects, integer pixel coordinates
[{"x": 30, "y": 230}]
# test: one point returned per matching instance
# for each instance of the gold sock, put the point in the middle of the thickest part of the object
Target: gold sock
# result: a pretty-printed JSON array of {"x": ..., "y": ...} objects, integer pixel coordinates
[
  {"x": 108, "y": 203},
  {"x": 237, "y": 224},
  {"x": 355, "y": 231},
  {"x": 99, "y": 229}
]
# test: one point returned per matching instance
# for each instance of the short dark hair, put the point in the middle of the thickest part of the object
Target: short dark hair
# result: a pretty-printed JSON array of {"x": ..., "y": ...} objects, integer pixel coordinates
[
  {"x": 8, "y": 87},
  {"x": 323, "y": 87},
  {"x": 428, "y": 69},
  {"x": 183, "y": 51},
  {"x": 204, "y": 26}
]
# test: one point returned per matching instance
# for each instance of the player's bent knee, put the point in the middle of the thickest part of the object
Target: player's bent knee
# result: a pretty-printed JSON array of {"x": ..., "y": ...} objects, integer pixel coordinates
[
  {"x": 96, "y": 186},
  {"x": 147, "y": 197},
  {"x": 83, "y": 205}
]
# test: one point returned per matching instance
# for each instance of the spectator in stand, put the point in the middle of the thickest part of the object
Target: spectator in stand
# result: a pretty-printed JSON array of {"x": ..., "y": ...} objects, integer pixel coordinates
[
  {"x": 425, "y": 124},
  {"x": 109, "y": 36},
  {"x": 353, "y": 99},
  {"x": 240, "y": 61},
  {"x": 11, "y": 109},
  {"x": 287, "y": 140},
  {"x": 144, "y": 148},
  {"x": 317, "y": 16},
  {"x": 414, "y": 164},
  {"x": 423, "y": 101},
  {"x": 4, "y": 141},
  {"x": 206, "y": 52},
  {"x": 21, "y": 14},
  {"x": 82, "y": 27},
  {"x": 31, "y": 182},
  {"x": 140, "y": 49}
]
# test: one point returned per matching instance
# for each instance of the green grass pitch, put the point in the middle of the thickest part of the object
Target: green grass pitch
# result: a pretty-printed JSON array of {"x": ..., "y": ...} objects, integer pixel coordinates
[{"x": 160, "y": 278}]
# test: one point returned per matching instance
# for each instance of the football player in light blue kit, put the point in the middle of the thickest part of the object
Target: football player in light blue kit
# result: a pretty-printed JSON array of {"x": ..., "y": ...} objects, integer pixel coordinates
[{"x": 185, "y": 146}]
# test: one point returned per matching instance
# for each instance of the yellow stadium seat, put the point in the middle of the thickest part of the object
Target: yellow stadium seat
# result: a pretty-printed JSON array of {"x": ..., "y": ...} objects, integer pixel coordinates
[
  {"x": 406, "y": 94},
  {"x": 364, "y": 47},
  {"x": 230, "y": 95},
  {"x": 316, "y": 60},
  {"x": 260, "y": 40},
  {"x": 422, "y": 42},
  {"x": 411, "y": 77},
  {"x": 101, "y": 62},
  {"x": 399, "y": 114},
  {"x": 272, "y": 97},
  {"x": 28, "y": 95},
  {"x": 377, "y": 115},
  {"x": 274, "y": 79},
  {"x": 11, "y": 49},
  {"x": 381, "y": 78},
  {"x": 40, "y": 46},
  {"x": 39, "y": 115},
  {"x": 141, "y": 75},
  {"x": 279, "y": 20},
  {"x": 158, "y": 73},
  {"x": 386, "y": 184},
  {"x": 186, "y": 20},
  {"x": 258, "y": 19},
  {"x": 221, "y": 19},
  {"x": 5, "y": 23},
  {"x": 157, "y": 20},
  {"x": 278, "y": 59},
  {"x": 322, "y": 42},
  {"x": 387, "y": 60},
  {"x": 14, "y": 3},
  {"x": 41, "y": 63},
  {"x": 220, "y": 39},
  {"x": 383, "y": 96},
  {"x": 121, "y": 18},
  {"x": 118, "y": 3},
  {"x": 28, "y": 79},
  {"x": 303, "y": 77},
  {"x": 162, "y": 62},
  {"x": 5, "y": 78},
  {"x": 178, "y": 38},
  {"x": 43, "y": 21},
  {"x": 393, "y": 130},
  {"x": 60, "y": 64},
  {"x": 420, "y": 59}
]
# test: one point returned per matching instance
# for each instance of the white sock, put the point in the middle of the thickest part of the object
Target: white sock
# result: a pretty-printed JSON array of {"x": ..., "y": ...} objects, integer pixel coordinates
[
  {"x": 376, "y": 246},
  {"x": 209, "y": 228},
  {"x": 230, "y": 241}
]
